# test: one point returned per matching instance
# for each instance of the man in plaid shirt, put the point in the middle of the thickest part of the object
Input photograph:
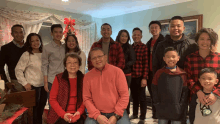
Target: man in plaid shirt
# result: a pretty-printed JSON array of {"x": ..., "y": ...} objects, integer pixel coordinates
[
  {"x": 139, "y": 76},
  {"x": 111, "y": 48}
]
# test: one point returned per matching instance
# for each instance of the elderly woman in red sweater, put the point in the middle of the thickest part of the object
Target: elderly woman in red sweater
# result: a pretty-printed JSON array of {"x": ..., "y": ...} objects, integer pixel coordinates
[{"x": 66, "y": 94}]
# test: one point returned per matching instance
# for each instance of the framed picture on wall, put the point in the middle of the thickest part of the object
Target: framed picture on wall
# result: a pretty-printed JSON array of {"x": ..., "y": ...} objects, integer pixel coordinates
[{"x": 192, "y": 25}]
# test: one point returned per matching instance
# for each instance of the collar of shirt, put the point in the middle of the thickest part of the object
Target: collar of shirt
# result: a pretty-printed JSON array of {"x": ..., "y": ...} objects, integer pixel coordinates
[
  {"x": 138, "y": 44},
  {"x": 56, "y": 45},
  {"x": 17, "y": 44},
  {"x": 104, "y": 68},
  {"x": 211, "y": 54}
]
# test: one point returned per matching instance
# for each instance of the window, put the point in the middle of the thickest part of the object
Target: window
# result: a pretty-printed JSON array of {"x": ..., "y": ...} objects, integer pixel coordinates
[{"x": 45, "y": 32}]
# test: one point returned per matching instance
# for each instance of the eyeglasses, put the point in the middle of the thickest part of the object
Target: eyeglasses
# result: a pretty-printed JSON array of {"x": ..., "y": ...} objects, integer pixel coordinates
[
  {"x": 70, "y": 63},
  {"x": 98, "y": 57}
]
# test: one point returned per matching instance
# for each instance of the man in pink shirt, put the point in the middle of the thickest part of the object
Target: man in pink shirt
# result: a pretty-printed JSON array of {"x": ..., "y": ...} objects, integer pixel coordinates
[{"x": 105, "y": 92}]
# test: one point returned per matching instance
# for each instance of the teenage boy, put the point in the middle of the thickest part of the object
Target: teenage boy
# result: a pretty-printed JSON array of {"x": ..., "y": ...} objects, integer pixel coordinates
[
  {"x": 139, "y": 76},
  {"x": 52, "y": 57},
  {"x": 155, "y": 29}
]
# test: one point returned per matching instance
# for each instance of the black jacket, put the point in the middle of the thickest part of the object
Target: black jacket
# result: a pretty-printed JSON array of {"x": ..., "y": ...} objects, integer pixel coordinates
[
  {"x": 170, "y": 94},
  {"x": 160, "y": 38},
  {"x": 184, "y": 47},
  {"x": 130, "y": 58},
  {"x": 10, "y": 55}
]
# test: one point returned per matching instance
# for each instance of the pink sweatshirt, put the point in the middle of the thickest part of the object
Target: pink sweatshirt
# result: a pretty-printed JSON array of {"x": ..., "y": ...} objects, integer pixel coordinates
[{"x": 105, "y": 91}]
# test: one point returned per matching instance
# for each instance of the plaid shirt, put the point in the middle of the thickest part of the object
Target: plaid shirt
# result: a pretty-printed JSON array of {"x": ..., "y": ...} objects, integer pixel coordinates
[
  {"x": 115, "y": 55},
  {"x": 140, "y": 67},
  {"x": 194, "y": 63}
]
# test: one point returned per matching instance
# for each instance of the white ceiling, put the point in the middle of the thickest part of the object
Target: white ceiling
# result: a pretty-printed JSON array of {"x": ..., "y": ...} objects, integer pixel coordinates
[{"x": 101, "y": 8}]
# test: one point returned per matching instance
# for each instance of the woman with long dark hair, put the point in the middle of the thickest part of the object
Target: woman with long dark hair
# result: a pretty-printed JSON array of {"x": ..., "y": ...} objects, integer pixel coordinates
[
  {"x": 29, "y": 74},
  {"x": 72, "y": 46},
  {"x": 123, "y": 38},
  {"x": 66, "y": 94}
]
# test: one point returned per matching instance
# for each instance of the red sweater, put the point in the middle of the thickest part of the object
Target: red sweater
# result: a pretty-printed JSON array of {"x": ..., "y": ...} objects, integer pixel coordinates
[
  {"x": 71, "y": 108},
  {"x": 105, "y": 91}
]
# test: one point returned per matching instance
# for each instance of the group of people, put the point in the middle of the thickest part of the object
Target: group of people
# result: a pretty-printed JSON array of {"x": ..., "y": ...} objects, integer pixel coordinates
[{"x": 179, "y": 72}]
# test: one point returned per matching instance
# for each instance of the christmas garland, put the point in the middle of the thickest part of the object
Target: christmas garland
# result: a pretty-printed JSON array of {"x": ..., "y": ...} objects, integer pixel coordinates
[{"x": 9, "y": 109}]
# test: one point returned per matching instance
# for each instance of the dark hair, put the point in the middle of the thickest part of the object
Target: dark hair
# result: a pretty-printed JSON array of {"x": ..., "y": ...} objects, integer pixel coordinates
[
  {"x": 126, "y": 45},
  {"x": 106, "y": 24},
  {"x": 137, "y": 29},
  {"x": 96, "y": 49},
  {"x": 55, "y": 26},
  {"x": 212, "y": 35},
  {"x": 208, "y": 70},
  {"x": 176, "y": 18},
  {"x": 16, "y": 25},
  {"x": 28, "y": 43},
  {"x": 76, "y": 49},
  {"x": 155, "y": 22},
  {"x": 167, "y": 49},
  {"x": 72, "y": 56}
]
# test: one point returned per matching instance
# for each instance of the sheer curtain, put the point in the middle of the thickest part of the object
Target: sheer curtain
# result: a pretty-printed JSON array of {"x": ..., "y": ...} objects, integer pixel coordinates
[{"x": 32, "y": 22}]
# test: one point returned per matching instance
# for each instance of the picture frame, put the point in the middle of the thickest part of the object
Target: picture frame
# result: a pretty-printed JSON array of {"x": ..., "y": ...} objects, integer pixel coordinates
[{"x": 192, "y": 25}]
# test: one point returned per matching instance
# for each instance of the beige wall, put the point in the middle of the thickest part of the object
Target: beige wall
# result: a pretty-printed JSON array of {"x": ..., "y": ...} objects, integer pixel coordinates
[{"x": 209, "y": 8}]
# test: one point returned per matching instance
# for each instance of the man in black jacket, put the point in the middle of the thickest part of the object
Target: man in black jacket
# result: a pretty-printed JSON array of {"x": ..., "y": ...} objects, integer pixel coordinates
[
  {"x": 179, "y": 41},
  {"x": 11, "y": 52},
  {"x": 155, "y": 29},
  {"x": 176, "y": 39}
]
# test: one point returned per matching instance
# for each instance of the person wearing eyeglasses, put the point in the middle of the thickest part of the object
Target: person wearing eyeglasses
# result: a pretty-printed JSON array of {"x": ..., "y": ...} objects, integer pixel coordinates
[
  {"x": 112, "y": 49},
  {"x": 105, "y": 92},
  {"x": 66, "y": 94}
]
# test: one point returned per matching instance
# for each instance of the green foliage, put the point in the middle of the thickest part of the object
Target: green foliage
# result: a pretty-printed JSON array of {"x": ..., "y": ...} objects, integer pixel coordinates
[{"x": 9, "y": 109}]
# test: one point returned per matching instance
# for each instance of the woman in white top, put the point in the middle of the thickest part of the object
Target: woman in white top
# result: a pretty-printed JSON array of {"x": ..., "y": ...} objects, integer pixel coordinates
[
  {"x": 29, "y": 74},
  {"x": 72, "y": 46}
]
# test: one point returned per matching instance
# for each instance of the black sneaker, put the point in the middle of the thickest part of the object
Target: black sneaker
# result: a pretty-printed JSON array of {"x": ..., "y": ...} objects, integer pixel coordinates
[{"x": 133, "y": 117}]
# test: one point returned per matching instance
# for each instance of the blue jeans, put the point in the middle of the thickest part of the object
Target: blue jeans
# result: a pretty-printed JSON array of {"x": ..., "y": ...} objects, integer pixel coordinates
[
  {"x": 48, "y": 94},
  {"x": 123, "y": 120},
  {"x": 164, "y": 121}
]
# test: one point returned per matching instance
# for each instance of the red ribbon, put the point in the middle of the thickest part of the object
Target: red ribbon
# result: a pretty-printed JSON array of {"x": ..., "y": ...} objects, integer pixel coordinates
[{"x": 69, "y": 23}]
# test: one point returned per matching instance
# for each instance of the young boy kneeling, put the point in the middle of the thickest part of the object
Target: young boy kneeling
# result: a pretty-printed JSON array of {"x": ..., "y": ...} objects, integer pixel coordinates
[{"x": 169, "y": 88}]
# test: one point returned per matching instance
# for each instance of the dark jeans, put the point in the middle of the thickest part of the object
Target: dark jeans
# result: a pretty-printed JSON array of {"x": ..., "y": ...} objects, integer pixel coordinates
[
  {"x": 123, "y": 120},
  {"x": 62, "y": 121},
  {"x": 149, "y": 82},
  {"x": 38, "y": 109},
  {"x": 48, "y": 94},
  {"x": 139, "y": 97},
  {"x": 128, "y": 78}
]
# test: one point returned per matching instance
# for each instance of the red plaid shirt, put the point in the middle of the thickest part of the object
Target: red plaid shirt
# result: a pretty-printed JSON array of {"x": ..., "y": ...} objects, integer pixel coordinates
[
  {"x": 115, "y": 56},
  {"x": 140, "y": 68},
  {"x": 194, "y": 63}
]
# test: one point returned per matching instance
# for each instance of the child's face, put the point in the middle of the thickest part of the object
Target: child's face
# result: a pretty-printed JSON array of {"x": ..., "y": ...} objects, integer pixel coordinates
[
  {"x": 208, "y": 80},
  {"x": 171, "y": 58}
]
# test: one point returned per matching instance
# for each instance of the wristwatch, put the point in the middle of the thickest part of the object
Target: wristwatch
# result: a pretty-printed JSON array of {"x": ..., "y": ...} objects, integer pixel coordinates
[{"x": 117, "y": 116}]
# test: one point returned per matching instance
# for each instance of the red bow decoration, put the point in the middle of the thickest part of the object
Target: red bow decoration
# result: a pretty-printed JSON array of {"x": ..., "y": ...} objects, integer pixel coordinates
[{"x": 69, "y": 26}]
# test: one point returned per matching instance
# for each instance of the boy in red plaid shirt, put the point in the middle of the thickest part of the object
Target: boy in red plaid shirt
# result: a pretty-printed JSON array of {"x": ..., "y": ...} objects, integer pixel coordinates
[
  {"x": 205, "y": 57},
  {"x": 139, "y": 76},
  {"x": 113, "y": 50}
]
